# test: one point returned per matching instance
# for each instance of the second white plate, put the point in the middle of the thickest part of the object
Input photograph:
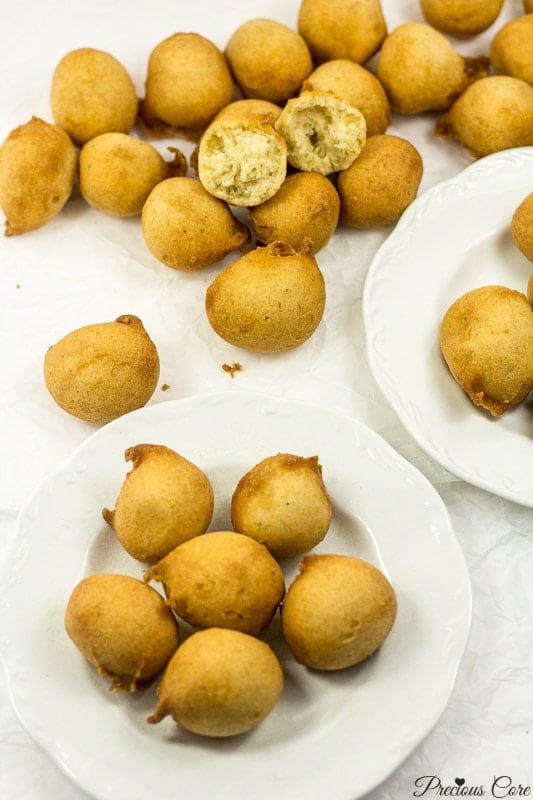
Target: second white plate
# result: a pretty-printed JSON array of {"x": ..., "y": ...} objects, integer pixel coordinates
[
  {"x": 453, "y": 238},
  {"x": 332, "y": 735}
]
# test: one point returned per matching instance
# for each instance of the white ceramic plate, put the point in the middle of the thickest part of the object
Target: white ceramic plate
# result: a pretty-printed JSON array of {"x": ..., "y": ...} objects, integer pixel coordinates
[
  {"x": 332, "y": 735},
  {"x": 454, "y": 238}
]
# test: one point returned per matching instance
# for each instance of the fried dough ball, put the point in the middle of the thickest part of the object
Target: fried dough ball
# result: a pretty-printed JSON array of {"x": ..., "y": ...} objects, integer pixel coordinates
[
  {"x": 123, "y": 628},
  {"x": 337, "y": 612},
  {"x": 486, "y": 339},
  {"x": 186, "y": 228},
  {"x": 249, "y": 108},
  {"x": 421, "y": 71},
  {"x": 220, "y": 683},
  {"x": 101, "y": 371},
  {"x": 242, "y": 161},
  {"x": 270, "y": 300},
  {"x": 355, "y": 85},
  {"x": 283, "y": 503},
  {"x": 528, "y": 6},
  {"x": 493, "y": 114},
  {"x": 522, "y": 226},
  {"x": 511, "y": 50},
  {"x": 352, "y": 29},
  {"x": 306, "y": 207},
  {"x": 38, "y": 164},
  {"x": 381, "y": 183},
  {"x": 92, "y": 93},
  {"x": 461, "y": 17},
  {"x": 188, "y": 81},
  {"x": 246, "y": 110},
  {"x": 222, "y": 579},
  {"x": 164, "y": 501},
  {"x": 117, "y": 172},
  {"x": 268, "y": 60},
  {"x": 323, "y": 133}
]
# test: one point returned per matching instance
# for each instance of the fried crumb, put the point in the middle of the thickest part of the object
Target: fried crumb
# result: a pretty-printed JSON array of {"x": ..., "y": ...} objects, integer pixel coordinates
[
  {"x": 165, "y": 387},
  {"x": 232, "y": 368}
]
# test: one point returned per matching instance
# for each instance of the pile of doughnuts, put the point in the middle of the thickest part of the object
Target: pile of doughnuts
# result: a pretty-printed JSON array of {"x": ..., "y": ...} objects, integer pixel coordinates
[
  {"x": 290, "y": 129},
  {"x": 221, "y": 590}
]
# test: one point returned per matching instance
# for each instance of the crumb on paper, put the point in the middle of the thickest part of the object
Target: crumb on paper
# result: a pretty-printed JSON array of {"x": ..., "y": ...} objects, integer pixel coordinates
[
  {"x": 165, "y": 387},
  {"x": 232, "y": 368},
  {"x": 17, "y": 286}
]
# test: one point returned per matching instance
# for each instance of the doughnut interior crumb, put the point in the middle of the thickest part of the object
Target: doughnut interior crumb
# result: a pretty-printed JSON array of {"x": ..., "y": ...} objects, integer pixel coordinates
[
  {"x": 243, "y": 163},
  {"x": 323, "y": 133}
]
